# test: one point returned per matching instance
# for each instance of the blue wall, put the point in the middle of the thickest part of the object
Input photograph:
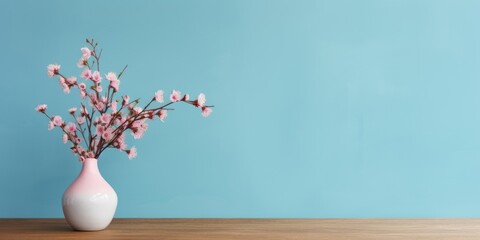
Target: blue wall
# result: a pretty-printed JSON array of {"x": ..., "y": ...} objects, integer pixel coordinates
[{"x": 322, "y": 108}]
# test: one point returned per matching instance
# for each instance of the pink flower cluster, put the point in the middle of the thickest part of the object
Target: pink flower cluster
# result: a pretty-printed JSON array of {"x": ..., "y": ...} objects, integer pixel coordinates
[{"x": 103, "y": 119}]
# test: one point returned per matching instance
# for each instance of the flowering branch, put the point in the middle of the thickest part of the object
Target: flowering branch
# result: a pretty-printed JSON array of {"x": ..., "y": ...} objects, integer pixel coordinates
[{"x": 101, "y": 124}]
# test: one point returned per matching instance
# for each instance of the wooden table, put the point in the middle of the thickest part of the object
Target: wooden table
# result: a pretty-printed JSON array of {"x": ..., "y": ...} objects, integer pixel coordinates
[{"x": 258, "y": 229}]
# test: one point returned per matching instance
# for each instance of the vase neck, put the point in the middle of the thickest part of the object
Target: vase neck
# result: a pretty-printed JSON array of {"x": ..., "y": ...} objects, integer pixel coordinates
[{"x": 90, "y": 165}]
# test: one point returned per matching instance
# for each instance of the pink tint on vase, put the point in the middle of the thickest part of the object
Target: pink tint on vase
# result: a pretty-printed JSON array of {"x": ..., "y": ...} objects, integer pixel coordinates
[{"x": 90, "y": 202}]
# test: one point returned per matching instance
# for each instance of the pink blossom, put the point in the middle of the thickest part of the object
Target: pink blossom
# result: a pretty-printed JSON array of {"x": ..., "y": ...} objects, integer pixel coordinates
[
  {"x": 57, "y": 121},
  {"x": 206, "y": 111},
  {"x": 66, "y": 88},
  {"x": 175, "y": 96},
  {"x": 107, "y": 134},
  {"x": 115, "y": 85},
  {"x": 113, "y": 106},
  {"x": 138, "y": 129},
  {"x": 100, "y": 130},
  {"x": 65, "y": 138},
  {"x": 141, "y": 124},
  {"x": 50, "y": 125},
  {"x": 41, "y": 108},
  {"x": 96, "y": 77},
  {"x": 81, "y": 159},
  {"x": 87, "y": 74},
  {"x": 105, "y": 118},
  {"x": 100, "y": 106},
  {"x": 53, "y": 69},
  {"x": 99, "y": 88},
  {"x": 82, "y": 62},
  {"x": 72, "y": 80},
  {"x": 72, "y": 110},
  {"x": 86, "y": 53},
  {"x": 121, "y": 142},
  {"x": 137, "y": 110},
  {"x": 201, "y": 100},
  {"x": 80, "y": 120},
  {"x": 104, "y": 99},
  {"x": 149, "y": 114},
  {"x": 114, "y": 82},
  {"x": 162, "y": 114},
  {"x": 111, "y": 76},
  {"x": 132, "y": 153},
  {"x": 159, "y": 96},
  {"x": 93, "y": 98},
  {"x": 126, "y": 99},
  {"x": 138, "y": 134},
  {"x": 70, "y": 128},
  {"x": 185, "y": 97},
  {"x": 83, "y": 92},
  {"x": 79, "y": 140}
]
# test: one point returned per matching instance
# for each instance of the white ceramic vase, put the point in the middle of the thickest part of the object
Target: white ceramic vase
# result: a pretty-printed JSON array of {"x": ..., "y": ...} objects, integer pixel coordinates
[{"x": 90, "y": 202}]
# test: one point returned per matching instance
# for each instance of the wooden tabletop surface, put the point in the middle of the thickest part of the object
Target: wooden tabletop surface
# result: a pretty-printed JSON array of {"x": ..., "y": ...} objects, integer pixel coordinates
[{"x": 238, "y": 229}]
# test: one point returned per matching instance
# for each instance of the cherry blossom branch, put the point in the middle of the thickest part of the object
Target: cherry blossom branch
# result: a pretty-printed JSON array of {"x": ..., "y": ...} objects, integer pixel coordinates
[
  {"x": 115, "y": 115},
  {"x": 83, "y": 135},
  {"x": 107, "y": 130},
  {"x": 117, "y": 135},
  {"x": 121, "y": 73},
  {"x": 80, "y": 129},
  {"x": 89, "y": 124},
  {"x": 70, "y": 137},
  {"x": 110, "y": 97},
  {"x": 94, "y": 52},
  {"x": 129, "y": 122}
]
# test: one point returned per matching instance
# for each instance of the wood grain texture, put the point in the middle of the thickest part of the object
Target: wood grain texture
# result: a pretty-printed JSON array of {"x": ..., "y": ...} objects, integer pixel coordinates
[{"x": 195, "y": 229}]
